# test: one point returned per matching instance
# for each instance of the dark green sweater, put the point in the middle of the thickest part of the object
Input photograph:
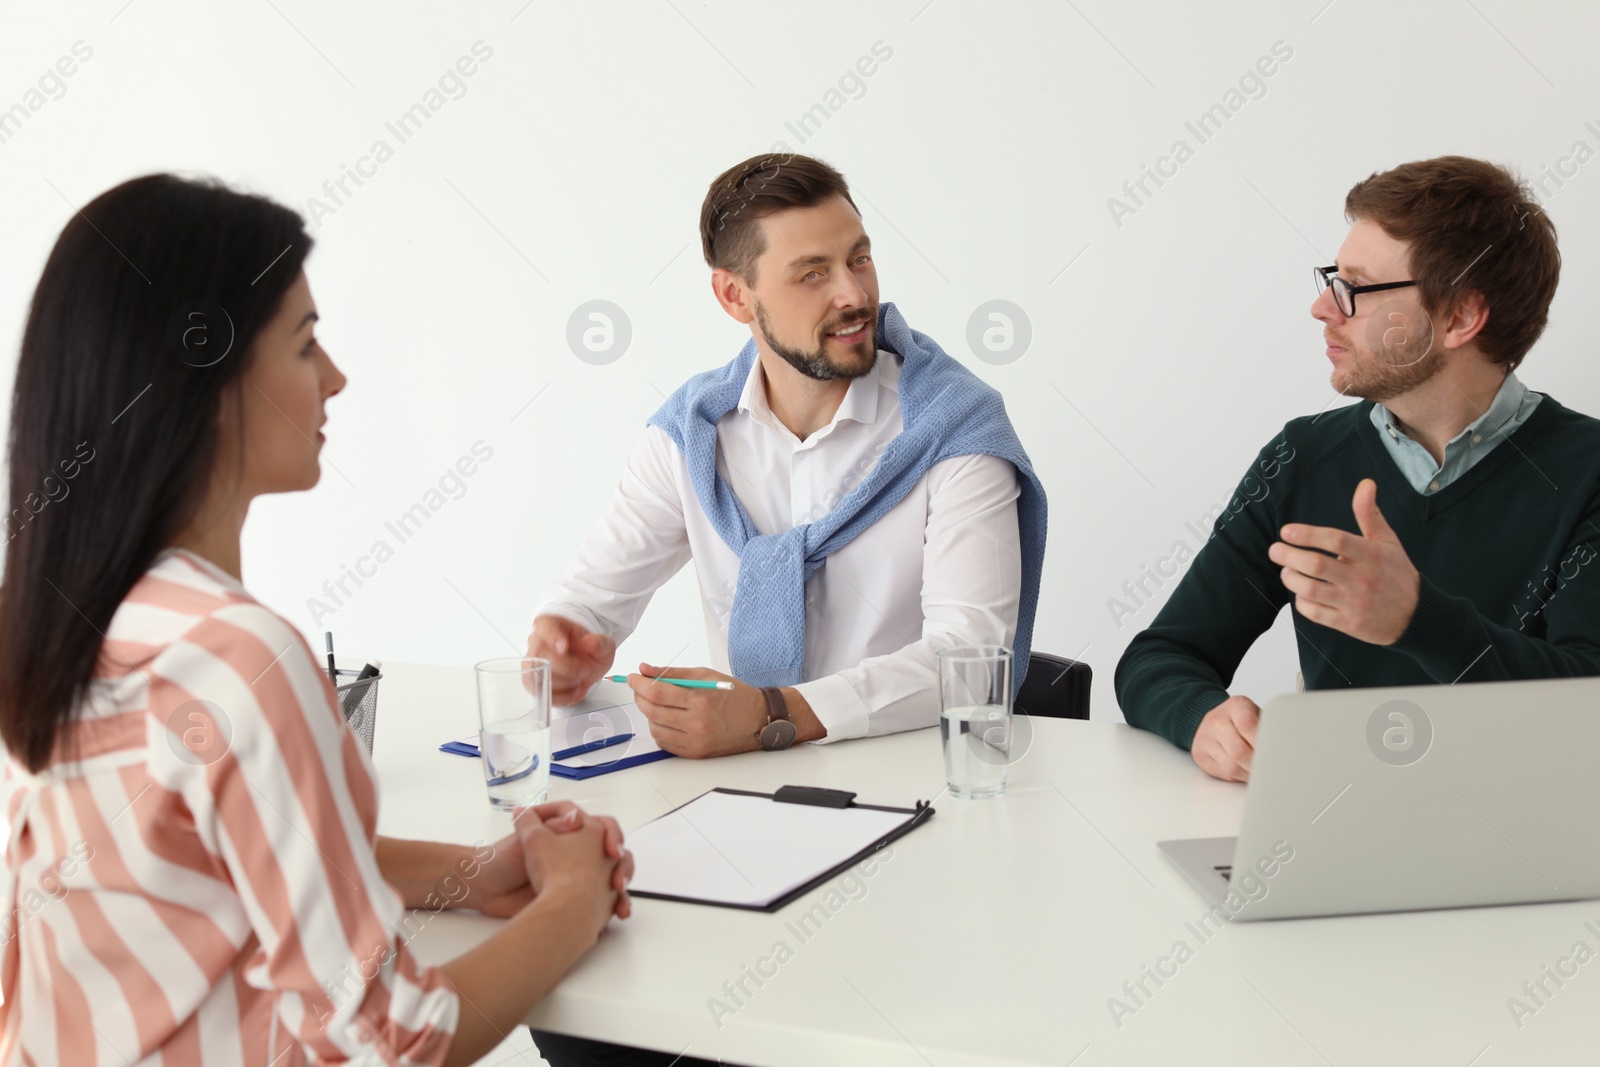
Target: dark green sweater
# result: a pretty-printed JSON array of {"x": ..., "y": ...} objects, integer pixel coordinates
[{"x": 1507, "y": 554}]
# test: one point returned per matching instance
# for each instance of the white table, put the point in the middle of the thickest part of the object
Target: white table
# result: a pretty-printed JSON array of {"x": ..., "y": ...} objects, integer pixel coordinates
[{"x": 998, "y": 933}]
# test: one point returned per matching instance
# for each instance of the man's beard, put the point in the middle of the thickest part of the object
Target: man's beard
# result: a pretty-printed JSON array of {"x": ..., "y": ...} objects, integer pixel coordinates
[
  {"x": 861, "y": 358},
  {"x": 1383, "y": 376}
]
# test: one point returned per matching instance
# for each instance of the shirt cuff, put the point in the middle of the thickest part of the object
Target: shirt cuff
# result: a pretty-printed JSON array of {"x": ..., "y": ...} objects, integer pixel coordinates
[{"x": 835, "y": 704}]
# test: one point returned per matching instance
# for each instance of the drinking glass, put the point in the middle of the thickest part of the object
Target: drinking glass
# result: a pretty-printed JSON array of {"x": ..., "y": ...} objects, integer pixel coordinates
[
  {"x": 975, "y": 718},
  {"x": 514, "y": 729}
]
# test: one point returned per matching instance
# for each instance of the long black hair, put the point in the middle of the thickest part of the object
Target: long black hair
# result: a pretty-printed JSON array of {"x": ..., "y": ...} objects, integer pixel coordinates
[{"x": 146, "y": 311}]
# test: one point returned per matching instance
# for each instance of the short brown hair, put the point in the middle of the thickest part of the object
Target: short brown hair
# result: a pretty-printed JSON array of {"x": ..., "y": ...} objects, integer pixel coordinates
[
  {"x": 1471, "y": 225},
  {"x": 743, "y": 195}
]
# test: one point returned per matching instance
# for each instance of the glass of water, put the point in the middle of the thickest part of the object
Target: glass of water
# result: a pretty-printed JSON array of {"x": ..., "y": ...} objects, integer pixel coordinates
[
  {"x": 514, "y": 729},
  {"x": 975, "y": 718}
]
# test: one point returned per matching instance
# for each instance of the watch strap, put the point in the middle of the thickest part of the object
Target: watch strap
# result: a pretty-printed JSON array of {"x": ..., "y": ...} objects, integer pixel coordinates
[{"x": 777, "y": 707}]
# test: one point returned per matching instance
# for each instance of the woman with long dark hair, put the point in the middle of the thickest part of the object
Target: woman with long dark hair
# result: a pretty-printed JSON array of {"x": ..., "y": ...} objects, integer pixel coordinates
[{"x": 193, "y": 874}]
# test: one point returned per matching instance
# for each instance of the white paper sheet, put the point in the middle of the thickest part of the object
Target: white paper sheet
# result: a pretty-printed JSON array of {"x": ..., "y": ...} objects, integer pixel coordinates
[
  {"x": 733, "y": 849},
  {"x": 594, "y": 720}
]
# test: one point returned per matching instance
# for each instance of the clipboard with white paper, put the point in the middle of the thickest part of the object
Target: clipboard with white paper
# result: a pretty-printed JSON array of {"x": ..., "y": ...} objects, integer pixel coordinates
[{"x": 760, "y": 851}]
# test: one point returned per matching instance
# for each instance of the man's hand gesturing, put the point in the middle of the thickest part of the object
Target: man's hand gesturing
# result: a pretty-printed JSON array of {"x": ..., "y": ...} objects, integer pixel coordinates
[
  {"x": 1362, "y": 584},
  {"x": 578, "y": 658}
]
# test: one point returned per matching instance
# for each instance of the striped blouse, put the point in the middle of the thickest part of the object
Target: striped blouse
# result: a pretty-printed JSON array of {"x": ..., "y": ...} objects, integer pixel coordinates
[{"x": 196, "y": 883}]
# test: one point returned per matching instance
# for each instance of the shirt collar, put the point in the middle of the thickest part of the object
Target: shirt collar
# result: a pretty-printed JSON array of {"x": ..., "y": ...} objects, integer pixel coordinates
[
  {"x": 1507, "y": 400},
  {"x": 1505, "y": 404},
  {"x": 860, "y": 403}
]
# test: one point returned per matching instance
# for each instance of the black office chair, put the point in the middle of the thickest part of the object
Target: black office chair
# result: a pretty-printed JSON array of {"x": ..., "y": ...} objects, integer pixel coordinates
[{"x": 1055, "y": 688}]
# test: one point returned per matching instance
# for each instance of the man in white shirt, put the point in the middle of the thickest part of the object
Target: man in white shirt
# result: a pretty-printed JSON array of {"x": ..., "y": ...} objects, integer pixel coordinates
[{"x": 821, "y": 404}]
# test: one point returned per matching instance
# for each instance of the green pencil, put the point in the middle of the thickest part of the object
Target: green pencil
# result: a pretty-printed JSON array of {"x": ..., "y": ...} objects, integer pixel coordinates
[{"x": 686, "y": 683}]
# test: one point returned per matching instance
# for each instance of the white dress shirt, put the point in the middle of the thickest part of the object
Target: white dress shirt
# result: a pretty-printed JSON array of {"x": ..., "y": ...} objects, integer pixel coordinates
[{"x": 941, "y": 568}]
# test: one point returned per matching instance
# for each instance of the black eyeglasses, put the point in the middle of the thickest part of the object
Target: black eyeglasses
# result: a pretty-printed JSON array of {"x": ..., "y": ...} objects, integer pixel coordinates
[{"x": 1344, "y": 294}]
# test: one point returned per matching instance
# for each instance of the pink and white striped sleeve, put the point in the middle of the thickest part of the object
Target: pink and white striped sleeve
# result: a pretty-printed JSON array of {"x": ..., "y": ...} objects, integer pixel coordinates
[{"x": 287, "y": 806}]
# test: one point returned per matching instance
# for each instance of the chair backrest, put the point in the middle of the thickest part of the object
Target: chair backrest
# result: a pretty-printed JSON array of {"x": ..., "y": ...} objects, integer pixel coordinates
[{"x": 1055, "y": 688}]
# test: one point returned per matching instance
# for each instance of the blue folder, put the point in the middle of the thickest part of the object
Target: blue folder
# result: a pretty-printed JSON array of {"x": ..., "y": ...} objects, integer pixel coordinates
[
  {"x": 463, "y": 748},
  {"x": 580, "y": 773}
]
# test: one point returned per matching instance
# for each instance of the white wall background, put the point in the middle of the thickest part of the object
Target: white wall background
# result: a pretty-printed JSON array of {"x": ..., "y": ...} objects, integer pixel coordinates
[{"x": 1164, "y": 352}]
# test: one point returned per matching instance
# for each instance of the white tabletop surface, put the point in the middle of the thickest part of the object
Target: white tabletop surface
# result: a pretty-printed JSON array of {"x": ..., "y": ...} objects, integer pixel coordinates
[{"x": 999, "y": 932}]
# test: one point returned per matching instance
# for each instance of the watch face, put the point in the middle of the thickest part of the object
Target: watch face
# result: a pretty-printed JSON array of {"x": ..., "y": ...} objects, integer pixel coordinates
[{"x": 779, "y": 733}]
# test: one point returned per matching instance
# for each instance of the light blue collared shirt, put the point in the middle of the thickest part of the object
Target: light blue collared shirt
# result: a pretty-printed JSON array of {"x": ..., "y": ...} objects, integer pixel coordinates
[{"x": 1510, "y": 409}]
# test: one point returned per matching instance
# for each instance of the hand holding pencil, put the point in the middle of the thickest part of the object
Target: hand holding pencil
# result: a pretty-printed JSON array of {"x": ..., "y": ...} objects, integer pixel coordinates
[
  {"x": 697, "y": 712},
  {"x": 686, "y": 683}
]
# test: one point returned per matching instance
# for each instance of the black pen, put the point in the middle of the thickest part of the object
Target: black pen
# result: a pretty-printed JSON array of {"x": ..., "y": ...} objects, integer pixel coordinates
[{"x": 333, "y": 674}]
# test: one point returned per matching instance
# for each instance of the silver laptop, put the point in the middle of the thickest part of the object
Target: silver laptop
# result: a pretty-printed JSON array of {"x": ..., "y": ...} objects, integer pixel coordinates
[{"x": 1369, "y": 800}]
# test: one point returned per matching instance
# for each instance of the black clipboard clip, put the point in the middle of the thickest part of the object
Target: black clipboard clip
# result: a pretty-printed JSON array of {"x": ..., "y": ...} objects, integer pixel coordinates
[
  {"x": 814, "y": 795},
  {"x": 838, "y": 798}
]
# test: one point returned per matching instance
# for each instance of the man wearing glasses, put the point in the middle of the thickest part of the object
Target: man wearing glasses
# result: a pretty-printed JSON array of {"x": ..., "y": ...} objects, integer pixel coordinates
[{"x": 1480, "y": 565}]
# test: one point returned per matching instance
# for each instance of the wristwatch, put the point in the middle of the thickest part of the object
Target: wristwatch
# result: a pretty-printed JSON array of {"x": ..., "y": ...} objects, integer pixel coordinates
[{"x": 779, "y": 730}]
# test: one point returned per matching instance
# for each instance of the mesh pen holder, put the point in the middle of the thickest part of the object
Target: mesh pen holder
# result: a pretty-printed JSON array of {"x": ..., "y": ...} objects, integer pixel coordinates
[{"x": 359, "y": 702}]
